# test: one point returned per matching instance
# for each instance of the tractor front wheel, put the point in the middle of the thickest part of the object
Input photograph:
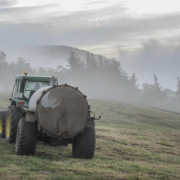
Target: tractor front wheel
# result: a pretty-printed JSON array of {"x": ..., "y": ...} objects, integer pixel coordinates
[
  {"x": 13, "y": 116},
  {"x": 2, "y": 123},
  {"x": 26, "y": 137}
]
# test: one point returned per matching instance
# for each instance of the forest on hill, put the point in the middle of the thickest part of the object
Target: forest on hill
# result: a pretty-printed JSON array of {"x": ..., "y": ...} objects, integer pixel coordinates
[{"x": 98, "y": 78}]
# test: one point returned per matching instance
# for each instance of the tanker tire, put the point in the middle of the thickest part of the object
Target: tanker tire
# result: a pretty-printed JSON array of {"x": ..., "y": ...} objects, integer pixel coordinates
[
  {"x": 26, "y": 138},
  {"x": 13, "y": 116},
  {"x": 2, "y": 123},
  {"x": 83, "y": 145}
]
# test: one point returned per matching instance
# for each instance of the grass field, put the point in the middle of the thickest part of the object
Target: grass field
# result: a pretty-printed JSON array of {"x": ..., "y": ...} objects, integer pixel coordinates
[{"x": 133, "y": 143}]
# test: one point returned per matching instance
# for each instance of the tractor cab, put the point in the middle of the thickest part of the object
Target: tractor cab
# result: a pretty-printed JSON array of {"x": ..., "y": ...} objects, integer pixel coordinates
[{"x": 25, "y": 86}]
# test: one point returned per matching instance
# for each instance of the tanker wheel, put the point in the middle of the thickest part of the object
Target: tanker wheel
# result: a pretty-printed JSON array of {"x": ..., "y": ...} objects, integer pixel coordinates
[
  {"x": 26, "y": 137},
  {"x": 2, "y": 123},
  {"x": 83, "y": 145},
  {"x": 13, "y": 116}
]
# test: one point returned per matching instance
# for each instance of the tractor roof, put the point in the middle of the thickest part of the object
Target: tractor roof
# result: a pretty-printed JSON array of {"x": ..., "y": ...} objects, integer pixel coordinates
[{"x": 34, "y": 78}]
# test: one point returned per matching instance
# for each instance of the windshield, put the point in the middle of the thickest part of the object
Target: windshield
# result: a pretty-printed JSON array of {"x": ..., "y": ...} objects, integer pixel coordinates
[{"x": 31, "y": 87}]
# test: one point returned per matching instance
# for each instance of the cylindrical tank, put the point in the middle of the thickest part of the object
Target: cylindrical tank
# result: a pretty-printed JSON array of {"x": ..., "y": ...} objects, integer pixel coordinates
[{"x": 62, "y": 110}]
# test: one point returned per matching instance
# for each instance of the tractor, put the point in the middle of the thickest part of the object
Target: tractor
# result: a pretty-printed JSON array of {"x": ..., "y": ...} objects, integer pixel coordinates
[{"x": 42, "y": 110}]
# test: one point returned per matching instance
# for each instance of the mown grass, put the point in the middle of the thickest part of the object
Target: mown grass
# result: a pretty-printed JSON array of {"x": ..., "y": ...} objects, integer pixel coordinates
[{"x": 133, "y": 143}]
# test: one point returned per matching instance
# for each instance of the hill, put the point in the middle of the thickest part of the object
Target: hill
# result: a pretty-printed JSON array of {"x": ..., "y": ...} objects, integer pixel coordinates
[
  {"x": 133, "y": 143},
  {"x": 43, "y": 56}
]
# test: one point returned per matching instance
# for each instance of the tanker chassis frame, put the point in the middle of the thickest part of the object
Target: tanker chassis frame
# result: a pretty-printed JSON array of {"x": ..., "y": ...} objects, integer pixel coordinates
[{"x": 42, "y": 110}]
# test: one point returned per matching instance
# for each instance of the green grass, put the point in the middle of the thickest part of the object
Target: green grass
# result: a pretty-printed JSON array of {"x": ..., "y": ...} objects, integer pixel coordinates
[{"x": 133, "y": 143}]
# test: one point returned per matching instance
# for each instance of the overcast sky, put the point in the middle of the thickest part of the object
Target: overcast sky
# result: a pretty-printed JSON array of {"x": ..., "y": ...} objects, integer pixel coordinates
[{"x": 144, "y": 35}]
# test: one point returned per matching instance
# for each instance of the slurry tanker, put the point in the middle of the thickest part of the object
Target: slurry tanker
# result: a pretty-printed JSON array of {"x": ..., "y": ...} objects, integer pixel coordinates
[{"x": 42, "y": 110}]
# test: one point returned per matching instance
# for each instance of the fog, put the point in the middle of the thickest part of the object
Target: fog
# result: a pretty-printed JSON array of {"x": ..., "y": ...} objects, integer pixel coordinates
[
  {"x": 99, "y": 78},
  {"x": 154, "y": 57},
  {"x": 143, "y": 39}
]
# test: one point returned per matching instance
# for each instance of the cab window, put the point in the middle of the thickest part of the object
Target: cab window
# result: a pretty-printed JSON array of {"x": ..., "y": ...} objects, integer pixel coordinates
[
  {"x": 31, "y": 87},
  {"x": 17, "y": 88},
  {"x": 14, "y": 90}
]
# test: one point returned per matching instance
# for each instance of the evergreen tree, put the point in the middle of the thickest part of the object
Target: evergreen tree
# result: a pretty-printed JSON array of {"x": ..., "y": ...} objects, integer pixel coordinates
[
  {"x": 59, "y": 68},
  {"x": 153, "y": 93},
  {"x": 132, "y": 89},
  {"x": 91, "y": 62},
  {"x": 156, "y": 85},
  {"x": 22, "y": 64},
  {"x": 2, "y": 57},
  {"x": 75, "y": 63},
  {"x": 100, "y": 63},
  {"x": 106, "y": 65},
  {"x": 3, "y": 62},
  {"x": 158, "y": 94},
  {"x": 147, "y": 89},
  {"x": 133, "y": 81},
  {"x": 117, "y": 71},
  {"x": 169, "y": 93}
]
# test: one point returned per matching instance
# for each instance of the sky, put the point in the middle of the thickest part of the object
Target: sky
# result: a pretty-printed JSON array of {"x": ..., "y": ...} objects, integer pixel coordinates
[{"x": 143, "y": 35}]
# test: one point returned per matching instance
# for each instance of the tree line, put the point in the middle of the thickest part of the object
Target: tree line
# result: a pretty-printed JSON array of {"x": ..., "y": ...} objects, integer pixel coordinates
[{"x": 97, "y": 77}]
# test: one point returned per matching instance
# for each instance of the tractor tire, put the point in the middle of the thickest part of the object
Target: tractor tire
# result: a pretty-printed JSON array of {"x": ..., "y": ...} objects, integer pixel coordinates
[
  {"x": 13, "y": 116},
  {"x": 26, "y": 138},
  {"x": 2, "y": 123},
  {"x": 83, "y": 144}
]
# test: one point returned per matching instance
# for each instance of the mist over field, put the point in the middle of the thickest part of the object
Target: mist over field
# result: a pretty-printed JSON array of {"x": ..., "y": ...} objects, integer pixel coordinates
[
  {"x": 143, "y": 37},
  {"x": 152, "y": 57},
  {"x": 123, "y": 51},
  {"x": 96, "y": 76}
]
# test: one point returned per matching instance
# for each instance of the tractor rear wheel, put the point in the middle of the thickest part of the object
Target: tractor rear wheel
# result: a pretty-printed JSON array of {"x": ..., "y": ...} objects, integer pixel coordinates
[
  {"x": 83, "y": 145},
  {"x": 13, "y": 116},
  {"x": 2, "y": 123},
  {"x": 26, "y": 138}
]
